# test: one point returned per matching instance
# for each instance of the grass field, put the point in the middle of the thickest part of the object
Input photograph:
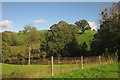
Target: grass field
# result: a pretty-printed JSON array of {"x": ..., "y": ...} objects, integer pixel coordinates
[
  {"x": 86, "y": 37},
  {"x": 81, "y": 38},
  {"x": 34, "y": 71},
  {"x": 104, "y": 71},
  {"x": 60, "y": 71},
  {"x": 24, "y": 71}
]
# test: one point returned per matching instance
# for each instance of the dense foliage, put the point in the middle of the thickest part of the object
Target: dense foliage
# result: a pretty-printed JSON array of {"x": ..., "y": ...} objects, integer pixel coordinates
[
  {"x": 60, "y": 40},
  {"x": 83, "y": 25},
  {"x": 107, "y": 40}
]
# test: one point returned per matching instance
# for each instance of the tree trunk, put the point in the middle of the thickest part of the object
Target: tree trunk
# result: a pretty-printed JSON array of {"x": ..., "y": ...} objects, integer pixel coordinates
[{"x": 29, "y": 57}]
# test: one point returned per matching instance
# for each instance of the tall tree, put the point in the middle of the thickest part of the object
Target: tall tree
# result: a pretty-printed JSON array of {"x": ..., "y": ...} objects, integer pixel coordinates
[
  {"x": 83, "y": 25},
  {"x": 107, "y": 40},
  {"x": 57, "y": 38},
  {"x": 31, "y": 38}
]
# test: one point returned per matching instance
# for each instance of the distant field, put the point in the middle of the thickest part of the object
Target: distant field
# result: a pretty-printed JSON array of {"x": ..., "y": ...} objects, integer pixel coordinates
[
  {"x": 81, "y": 38},
  {"x": 60, "y": 71},
  {"x": 105, "y": 71},
  {"x": 86, "y": 37}
]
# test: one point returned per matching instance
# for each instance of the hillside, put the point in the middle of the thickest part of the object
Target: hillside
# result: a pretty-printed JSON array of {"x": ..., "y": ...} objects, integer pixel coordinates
[
  {"x": 81, "y": 38},
  {"x": 86, "y": 37}
]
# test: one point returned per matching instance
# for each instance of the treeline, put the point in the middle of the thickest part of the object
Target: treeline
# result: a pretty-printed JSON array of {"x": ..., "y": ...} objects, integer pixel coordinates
[
  {"x": 61, "y": 39},
  {"x": 58, "y": 41}
]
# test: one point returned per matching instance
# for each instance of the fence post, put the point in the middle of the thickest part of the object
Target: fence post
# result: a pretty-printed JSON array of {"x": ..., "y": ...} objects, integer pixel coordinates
[
  {"x": 82, "y": 62},
  {"x": 52, "y": 66},
  {"x": 99, "y": 59},
  {"x": 109, "y": 59}
]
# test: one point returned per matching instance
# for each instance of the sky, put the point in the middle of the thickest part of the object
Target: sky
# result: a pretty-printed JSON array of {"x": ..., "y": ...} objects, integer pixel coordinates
[
  {"x": 60, "y": 0},
  {"x": 15, "y": 15}
]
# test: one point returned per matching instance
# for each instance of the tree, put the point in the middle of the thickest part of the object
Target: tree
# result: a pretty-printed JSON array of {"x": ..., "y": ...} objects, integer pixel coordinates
[
  {"x": 84, "y": 48},
  {"x": 5, "y": 51},
  {"x": 13, "y": 39},
  {"x": 107, "y": 40},
  {"x": 31, "y": 38},
  {"x": 57, "y": 38},
  {"x": 10, "y": 38},
  {"x": 72, "y": 49},
  {"x": 83, "y": 25},
  {"x": 88, "y": 28}
]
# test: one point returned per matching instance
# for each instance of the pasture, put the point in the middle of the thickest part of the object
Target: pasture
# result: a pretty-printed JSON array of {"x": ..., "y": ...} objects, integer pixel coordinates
[
  {"x": 104, "y": 71},
  {"x": 60, "y": 71},
  {"x": 34, "y": 71}
]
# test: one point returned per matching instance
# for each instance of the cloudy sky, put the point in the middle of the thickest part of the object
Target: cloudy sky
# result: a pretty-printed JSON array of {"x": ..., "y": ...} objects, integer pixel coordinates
[{"x": 15, "y": 15}]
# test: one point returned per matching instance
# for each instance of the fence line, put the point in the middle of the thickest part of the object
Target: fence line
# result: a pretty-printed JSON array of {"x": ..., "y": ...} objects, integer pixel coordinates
[
  {"x": 66, "y": 60},
  {"x": 53, "y": 66}
]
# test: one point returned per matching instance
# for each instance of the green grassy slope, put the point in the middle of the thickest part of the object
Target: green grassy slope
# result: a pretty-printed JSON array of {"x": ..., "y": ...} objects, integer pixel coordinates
[
  {"x": 81, "y": 38},
  {"x": 105, "y": 71},
  {"x": 20, "y": 37},
  {"x": 86, "y": 37}
]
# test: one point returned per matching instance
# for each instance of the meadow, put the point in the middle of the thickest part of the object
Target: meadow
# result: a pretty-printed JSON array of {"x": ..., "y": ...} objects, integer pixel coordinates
[
  {"x": 104, "y": 71},
  {"x": 87, "y": 37},
  {"x": 61, "y": 71}
]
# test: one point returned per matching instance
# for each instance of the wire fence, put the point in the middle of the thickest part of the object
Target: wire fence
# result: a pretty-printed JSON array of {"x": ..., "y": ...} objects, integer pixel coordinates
[
  {"x": 65, "y": 60},
  {"x": 54, "y": 66}
]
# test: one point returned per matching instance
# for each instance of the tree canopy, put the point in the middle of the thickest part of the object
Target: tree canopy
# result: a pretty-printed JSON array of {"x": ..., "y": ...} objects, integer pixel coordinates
[
  {"x": 58, "y": 38},
  {"x": 107, "y": 40},
  {"x": 83, "y": 25}
]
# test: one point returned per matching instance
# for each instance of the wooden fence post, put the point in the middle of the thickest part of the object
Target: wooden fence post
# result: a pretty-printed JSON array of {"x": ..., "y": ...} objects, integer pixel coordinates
[
  {"x": 99, "y": 59},
  {"x": 109, "y": 58},
  {"x": 52, "y": 66},
  {"x": 81, "y": 62}
]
